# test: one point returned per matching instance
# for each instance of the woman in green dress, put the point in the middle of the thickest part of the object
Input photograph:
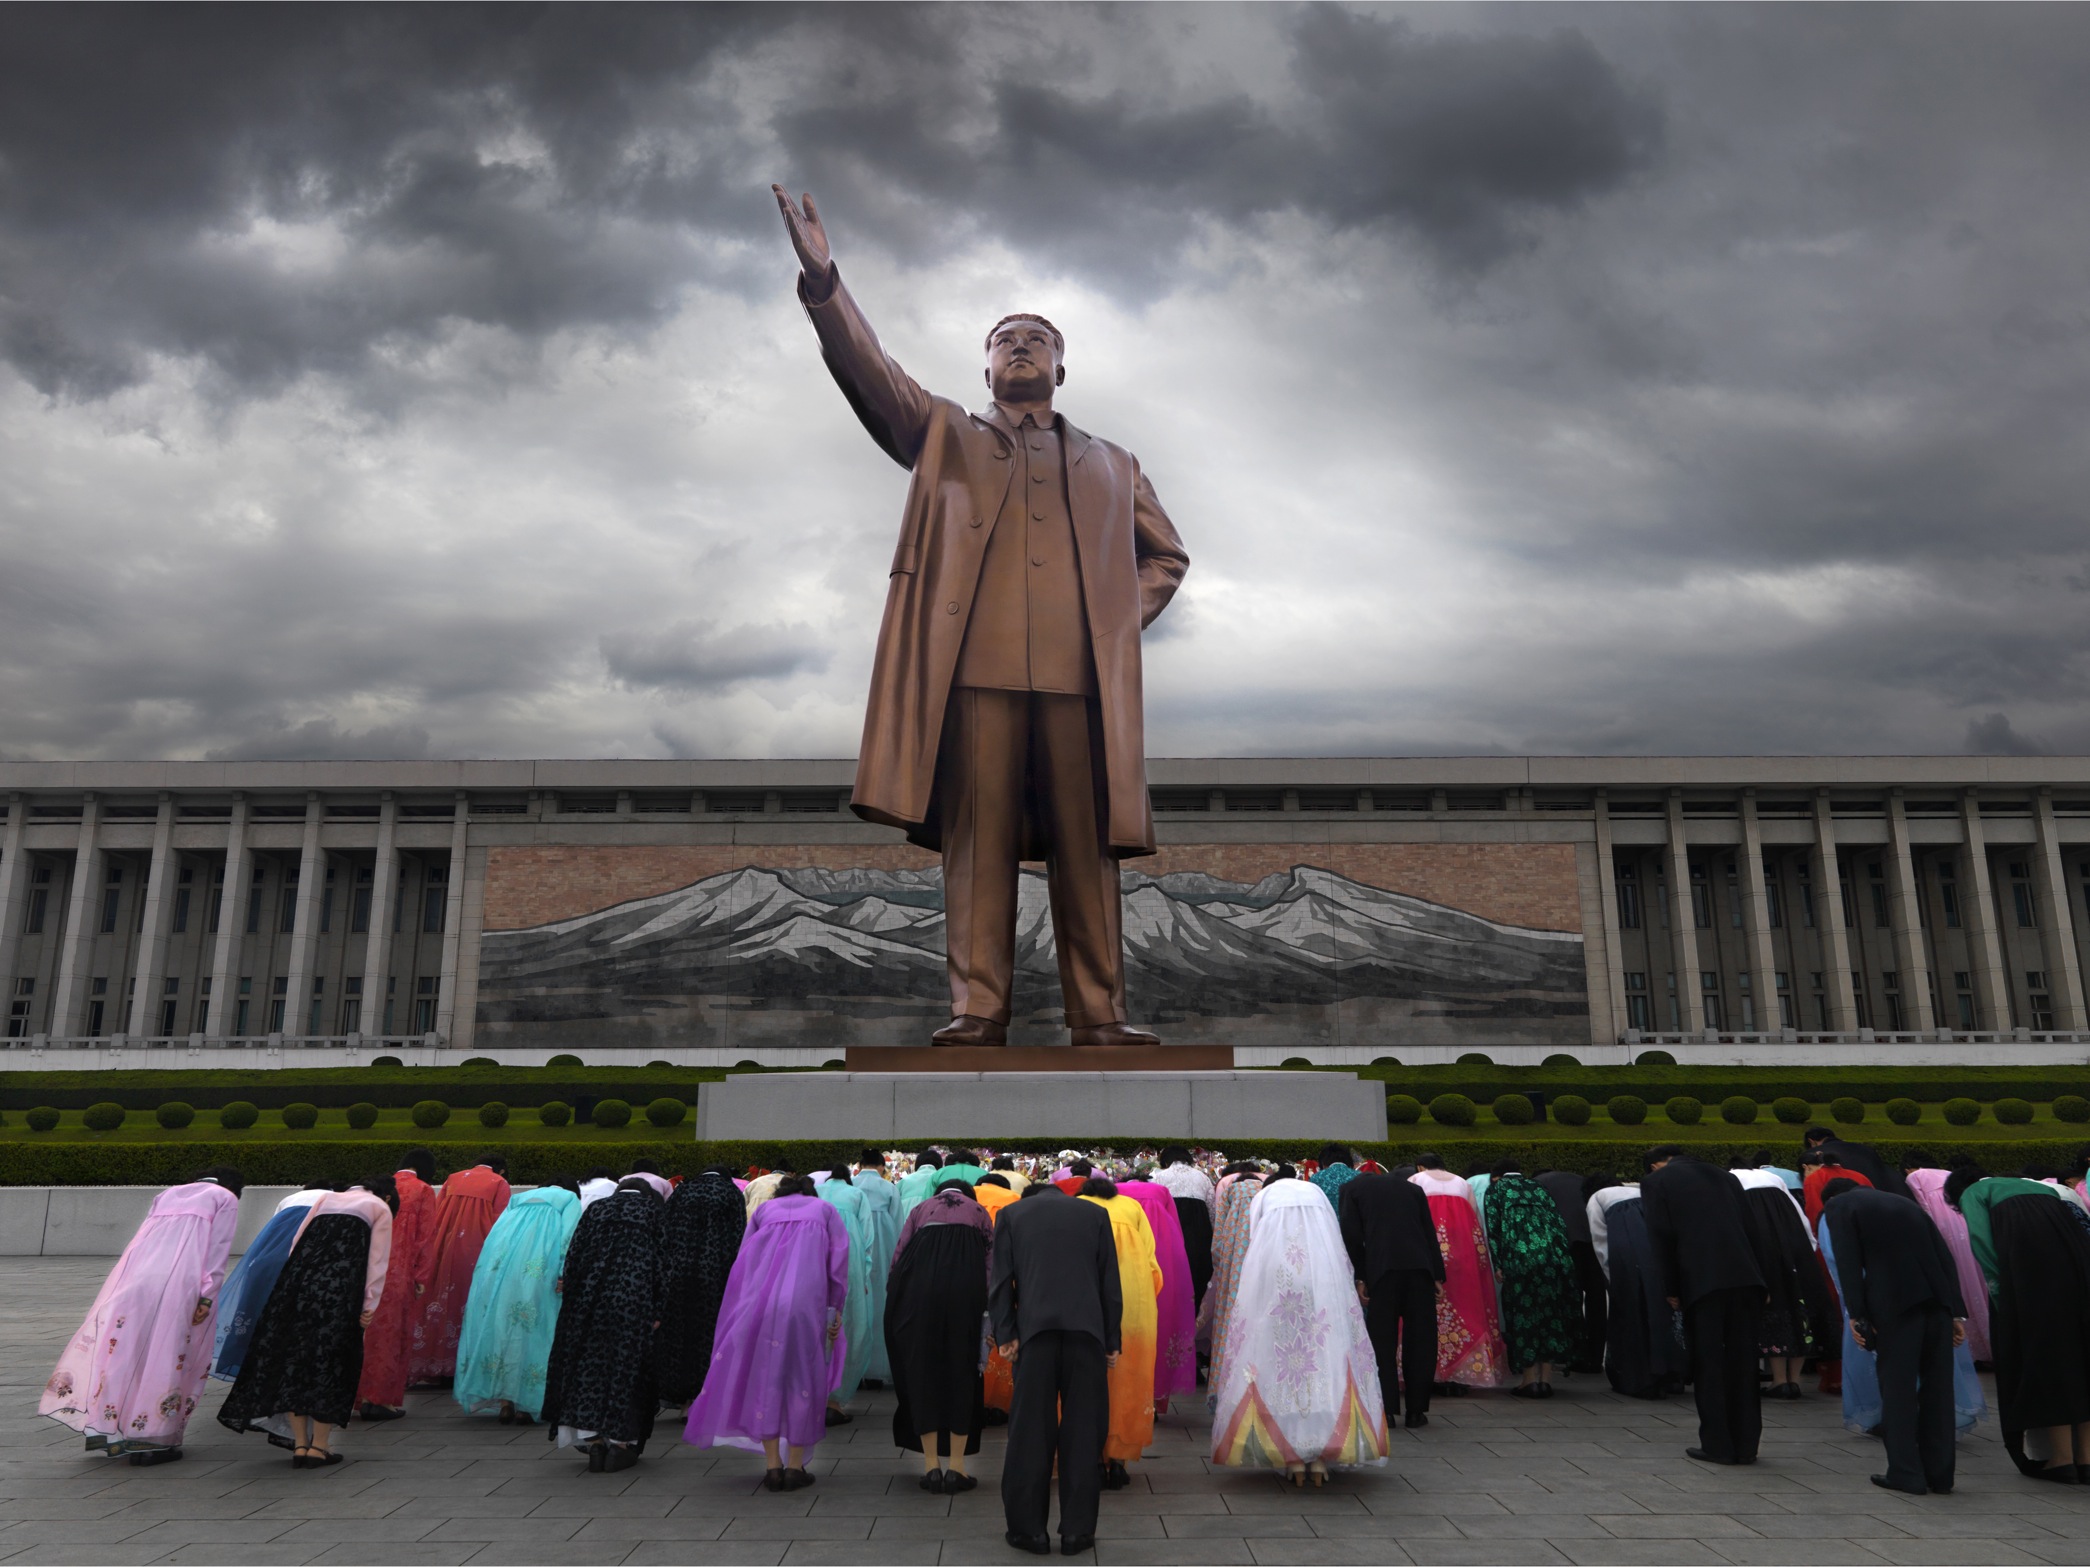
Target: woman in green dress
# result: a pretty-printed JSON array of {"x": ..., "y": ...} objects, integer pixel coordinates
[
  {"x": 1535, "y": 1278},
  {"x": 513, "y": 1309},
  {"x": 860, "y": 1326}
]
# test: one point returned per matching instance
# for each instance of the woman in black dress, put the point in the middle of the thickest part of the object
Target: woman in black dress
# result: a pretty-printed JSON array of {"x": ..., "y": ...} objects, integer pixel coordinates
[
  {"x": 600, "y": 1390},
  {"x": 299, "y": 1378},
  {"x": 935, "y": 1303},
  {"x": 699, "y": 1238}
]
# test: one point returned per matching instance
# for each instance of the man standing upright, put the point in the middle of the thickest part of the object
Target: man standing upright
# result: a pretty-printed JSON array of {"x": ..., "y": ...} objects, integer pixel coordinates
[
  {"x": 1901, "y": 1288},
  {"x": 1393, "y": 1247},
  {"x": 1005, "y": 719},
  {"x": 1055, "y": 1304},
  {"x": 1700, "y": 1238}
]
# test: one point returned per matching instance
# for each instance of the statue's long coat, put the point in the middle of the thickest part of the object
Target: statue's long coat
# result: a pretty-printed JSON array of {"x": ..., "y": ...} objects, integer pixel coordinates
[{"x": 1131, "y": 563}]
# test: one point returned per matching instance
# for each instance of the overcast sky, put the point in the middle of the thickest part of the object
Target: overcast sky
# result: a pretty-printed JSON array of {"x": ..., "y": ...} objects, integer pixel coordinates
[{"x": 404, "y": 381}]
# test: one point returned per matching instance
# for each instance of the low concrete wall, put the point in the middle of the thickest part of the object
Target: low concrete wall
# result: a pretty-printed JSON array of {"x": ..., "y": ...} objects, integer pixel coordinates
[{"x": 99, "y": 1221}]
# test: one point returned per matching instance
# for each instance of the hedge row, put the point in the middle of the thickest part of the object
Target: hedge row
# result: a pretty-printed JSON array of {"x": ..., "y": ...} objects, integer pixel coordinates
[
  {"x": 1711, "y": 1084},
  {"x": 1515, "y": 1109},
  {"x": 336, "y": 1088},
  {"x": 162, "y": 1164}
]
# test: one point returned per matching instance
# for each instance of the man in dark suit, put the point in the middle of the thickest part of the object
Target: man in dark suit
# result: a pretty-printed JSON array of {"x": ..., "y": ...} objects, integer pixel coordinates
[
  {"x": 1055, "y": 1305},
  {"x": 1392, "y": 1242},
  {"x": 1861, "y": 1157},
  {"x": 1570, "y": 1194},
  {"x": 1700, "y": 1237},
  {"x": 1902, "y": 1291}
]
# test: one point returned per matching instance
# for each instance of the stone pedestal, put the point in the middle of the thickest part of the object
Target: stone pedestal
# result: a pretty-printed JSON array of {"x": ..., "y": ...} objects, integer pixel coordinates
[
  {"x": 1040, "y": 1058},
  {"x": 887, "y": 1108}
]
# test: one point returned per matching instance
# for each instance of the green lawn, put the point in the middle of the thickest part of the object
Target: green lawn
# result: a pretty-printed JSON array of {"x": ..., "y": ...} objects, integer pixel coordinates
[
  {"x": 1769, "y": 1133},
  {"x": 392, "y": 1126}
]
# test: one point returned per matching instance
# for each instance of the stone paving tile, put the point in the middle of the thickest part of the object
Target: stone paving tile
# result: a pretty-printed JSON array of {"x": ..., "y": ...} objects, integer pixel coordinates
[
  {"x": 536, "y": 1531},
  {"x": 211, "y": 1551},
  {"x": 1797, "y": 1553},
  {"x": 1660, "y": 1553},
  {"x": 1673, "y": 1526},
  {"x": 1167, "y": 1553},
  {"x": 617, "y": 1526},
  {"x": 400, "y": 1554},
  {"x": 1325, "y": 1553},
  {"x": 1411, "y": 1526},
  {"x": 550, "y": 1553},
  {"x": 1482, "y": 1553},
  {"x": 904, "y": 1553},
  {"x": 688, "y": 1554}
]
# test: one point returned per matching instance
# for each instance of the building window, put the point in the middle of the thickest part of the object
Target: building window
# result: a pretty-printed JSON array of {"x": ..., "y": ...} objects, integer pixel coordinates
[
  {"x": 254, "y": 908},
  {"x": 181, "y": 910},
  {"x": 1880, "y": 916},
  {"x": 1748, "y": 999},
  {"x": 277, "y": 1002},
  {"x": 1788, "y": 1010},
  {"x": 2042, "y": 1013},
  {"x": 1850, "y": 907},
  {"x": 434, "y": 898},
  {"x": 1629, "y": 898},
  {"x": 424, "y": 1004},
  {"x": 352, "y": 1004},
  {"x": 18, "y": 1009},
  {"x": 1806, "y": 901},
  {"x": 1701, "y": 899},
  {"x": 202, "y": 1025},
  {"x": 112, "y": 898},
  {"x": 1774, "y": 902},
  {"x": 1966, "y": 1010},
  {"x": 1734, "y": 898},
  {"x": 1859, "y": 1000},
  {"x": 359, "y": 902},
  {"x": 246, "y": 992},
  {"x": 2021, "y": 894},
  {"x": 1638, "y": 1014},
  {"x": 326, "y": 907},
  {"x": 1890, "y": 982},
  {"x": 319, "y": 986},
  {"x": 289, "y": 919},
  {"x": 1948, "y": 896}
]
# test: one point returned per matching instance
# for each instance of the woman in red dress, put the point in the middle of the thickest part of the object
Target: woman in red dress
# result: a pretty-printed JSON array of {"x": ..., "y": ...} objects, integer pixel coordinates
[
  {"x": 464, "y": 1213},
  {"x": 381, "y": 1394}
]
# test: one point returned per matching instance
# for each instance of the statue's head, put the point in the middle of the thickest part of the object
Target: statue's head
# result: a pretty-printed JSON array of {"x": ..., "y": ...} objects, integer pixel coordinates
[{"x": 1023, "y": 358}]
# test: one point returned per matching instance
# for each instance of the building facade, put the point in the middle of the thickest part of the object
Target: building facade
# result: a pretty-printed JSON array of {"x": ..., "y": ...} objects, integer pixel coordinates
[{"x": 1337, "y": 909}]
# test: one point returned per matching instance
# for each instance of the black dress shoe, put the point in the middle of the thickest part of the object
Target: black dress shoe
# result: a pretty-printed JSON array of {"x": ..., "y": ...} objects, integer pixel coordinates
[
  {"x": 773, "y": 1480},
  {"x": 1704, "y": 1457},
  {"x": 622, "y": 1456},
  {"x": 598, "y": 1455},
  {"x": 155, "y": 1455},
  {"x": 1036, "y": 1544},
  {"x": 932, "y": 1480},
  {"x": 1944, "y": 1487},
  {"x": 971, "y": 1031},
  {"x": 956, "y": 1484},
  {"x": 2060, "y": 1474},
  {"x": 1115, "y": 1475},
  {"x": 994, "y": 1417},
  {"x": 376, "y": 1412},
  {"x": 797, "y": 1479},
  {"x": 1416, "y": 1422},
  {"x": 1890, "y": 1485},
  {"x": 1077, "y": 1544}
]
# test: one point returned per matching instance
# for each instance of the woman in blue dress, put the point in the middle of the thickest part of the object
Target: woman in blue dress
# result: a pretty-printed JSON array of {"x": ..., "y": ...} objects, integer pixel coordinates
[{"x": 253, "y": 1280}]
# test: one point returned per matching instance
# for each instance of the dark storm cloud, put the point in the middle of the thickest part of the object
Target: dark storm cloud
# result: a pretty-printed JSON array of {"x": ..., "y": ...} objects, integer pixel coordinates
[
  {"x": 692, "y": 657},
  {"x": 321, "y": 739}
]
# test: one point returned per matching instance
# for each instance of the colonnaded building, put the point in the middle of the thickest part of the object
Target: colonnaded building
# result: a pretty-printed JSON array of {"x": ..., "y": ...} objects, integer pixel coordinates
[{"x": 1341, "y": 910}]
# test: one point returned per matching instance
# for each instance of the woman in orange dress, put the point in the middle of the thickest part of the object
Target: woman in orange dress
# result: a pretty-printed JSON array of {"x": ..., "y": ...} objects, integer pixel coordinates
[
  {"x": 994, "y": 1193},
  {"x": 1132, "y": 1378}
]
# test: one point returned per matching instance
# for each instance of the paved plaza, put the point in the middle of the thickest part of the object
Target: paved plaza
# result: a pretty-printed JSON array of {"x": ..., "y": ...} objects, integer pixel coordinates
[{"x": 1588, "y": 1477}]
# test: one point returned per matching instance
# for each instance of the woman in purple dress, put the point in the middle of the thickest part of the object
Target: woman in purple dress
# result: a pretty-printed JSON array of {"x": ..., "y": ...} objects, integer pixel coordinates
[{"x": 778, "y": 1352}]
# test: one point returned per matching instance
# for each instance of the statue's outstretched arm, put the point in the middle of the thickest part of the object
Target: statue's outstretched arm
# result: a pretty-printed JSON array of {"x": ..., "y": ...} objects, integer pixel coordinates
[{"x": 890, "y": 402}]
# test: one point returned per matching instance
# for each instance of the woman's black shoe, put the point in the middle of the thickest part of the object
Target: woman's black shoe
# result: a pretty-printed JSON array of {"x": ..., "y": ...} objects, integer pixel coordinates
[
  {"x": 598, "y": 1455},
  {"x": 933, "y": 1481},
  {"x": 1115, "y": 1476},
  {"x": 955, "y": 1484},
  {"x": 2060, "y": 1474},
  {"x": 796, "y": 1479},
  {"x": 622, "y": 1456},
  {"x": 838, "y": 1417},
  {"x": 773, "y": 1480}
]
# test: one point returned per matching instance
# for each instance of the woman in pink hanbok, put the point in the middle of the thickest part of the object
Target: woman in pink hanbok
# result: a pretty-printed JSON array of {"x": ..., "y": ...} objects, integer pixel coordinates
[
  {"x": 1470, "y": 1351},
  {"x": 1175, "y": 1360},
  {"x": 130, "y": 1377},
  {"x": 1928, "y": 1188}
]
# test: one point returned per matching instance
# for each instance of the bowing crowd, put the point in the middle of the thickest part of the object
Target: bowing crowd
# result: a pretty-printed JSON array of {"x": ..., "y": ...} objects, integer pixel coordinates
[{"x": 1072, "y": 1297}]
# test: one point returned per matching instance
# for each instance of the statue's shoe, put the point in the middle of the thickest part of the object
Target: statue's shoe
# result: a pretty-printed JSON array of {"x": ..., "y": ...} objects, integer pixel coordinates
[
  {"x": 971, "y": 1031},
  {"x": 1113, "y": 1034}
]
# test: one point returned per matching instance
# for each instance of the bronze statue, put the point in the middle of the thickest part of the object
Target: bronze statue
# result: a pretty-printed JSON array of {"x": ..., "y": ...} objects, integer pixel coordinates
[{"x": 1005, "y": 718}]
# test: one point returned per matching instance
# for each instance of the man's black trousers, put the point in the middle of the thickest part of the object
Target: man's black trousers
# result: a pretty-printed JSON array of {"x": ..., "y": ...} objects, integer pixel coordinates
[
  {"x": 1060, "y": 1408},
  {"x": 1721, "y": 1328},
  {"x": 1915, "y": 1371},
  {"x": 1403, "y": 1302},
  {"x": 1589, "y": 1273}
]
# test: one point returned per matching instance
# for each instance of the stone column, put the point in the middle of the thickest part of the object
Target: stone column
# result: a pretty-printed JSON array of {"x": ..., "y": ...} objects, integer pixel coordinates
[
  {"x": 152, "y": 934},
  {"x": 453, "y": 922},
  {"x": 14, "y": 888},
  {"x": 232, "y": 925},
  {"x": 304, "y": 922},
  {"x": 1614, "y": 941},
  {"x": 2064, "y": 973},
  {"x": 76, "y": 956},
  {"x": 1977, "y": 909},
  {"x": 1756, "y": 918},
  {"x": 377, "y": 950},
  {"x": 1828, "y": 920},
  {"x": 1905, "y": 909},
  {"x": 1683, "y": 924}
]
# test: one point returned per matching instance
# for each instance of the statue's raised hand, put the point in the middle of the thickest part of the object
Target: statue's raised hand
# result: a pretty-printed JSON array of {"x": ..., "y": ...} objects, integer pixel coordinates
[{"x": 808, "y": 235}]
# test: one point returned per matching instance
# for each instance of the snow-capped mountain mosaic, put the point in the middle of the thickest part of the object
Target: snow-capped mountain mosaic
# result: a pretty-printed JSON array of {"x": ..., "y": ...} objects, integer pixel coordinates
[{"x": 855, "y": 956}]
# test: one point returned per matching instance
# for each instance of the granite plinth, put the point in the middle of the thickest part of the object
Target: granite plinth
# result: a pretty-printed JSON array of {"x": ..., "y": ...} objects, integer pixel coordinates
[
  {"x": 1040, "y": 1058},
  {"x": 874, "y": 1107}
]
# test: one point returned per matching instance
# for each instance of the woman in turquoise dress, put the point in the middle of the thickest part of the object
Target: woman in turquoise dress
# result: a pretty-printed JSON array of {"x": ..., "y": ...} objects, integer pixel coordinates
[
  {"x": 882, "y": 1205},
  {"x": 513, "y": 1309},
  {"x": 858, "y": 1325}
]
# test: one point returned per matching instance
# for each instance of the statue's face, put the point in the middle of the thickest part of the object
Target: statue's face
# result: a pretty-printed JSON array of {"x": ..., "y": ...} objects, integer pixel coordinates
[{"x": 1022, "y": 363}]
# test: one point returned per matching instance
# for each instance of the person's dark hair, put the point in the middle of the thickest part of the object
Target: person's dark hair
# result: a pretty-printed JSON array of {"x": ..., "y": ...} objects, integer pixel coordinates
[
  {"x": 1834, "y": 1189},
  {"x": 928, "y": 1159},
  {"x": 1505, "y": 1167},
  {"x": 421, "y": 1162},
  {"x": 1283, "y": 1172},
  {"x": 1476, "y": 1167},
  {"x": 382, "y": 1186},
  {"x": 601, "y": 1172},
  {"x": 1428, "y": 1161},
  {"x": 1964, "y": 1174},
  {"x": 1035, "y": 1188},
  {"x": 2034, "y": 1171},
  {"x": 1002, "y": 1162},
  {"x": 1760, "y": 1158},
  {"x": 1657, "y": 1155},
  {"x": 1059, "y": 343},
  {"x": 1239, "y": 1167},
  {"x": 1817, "y": 1134},
  {"x": 838, "y": 1175},
  {"x": 632, "y": 1183},
  {"x": 1098, "y": 1186},
  {"x": 1739, "y": 1162},
  {"x": 1811, "y": 1159},
  {"x": 1173, "y": 1154},
  {"x": 497, "y": 1163},
  {"x": 565, "y": 1183},
  {"x": 797, "y": 1186},
  {"x": 1401, "y": 1172},
  {"x": 1332, "y": 1153},
  {"x": 645, "y": 1167},
  {"x": 1593, "y": 1184},
  {"x": 996, "y": 1178},
  {"x": 955, "y": 1184},
  {"x": 317, "y": 1186},
  {"x": 870, "y": 1159},
  {"x": 224, "y": 1175},
  {"x": 1081, "y": 1167}
]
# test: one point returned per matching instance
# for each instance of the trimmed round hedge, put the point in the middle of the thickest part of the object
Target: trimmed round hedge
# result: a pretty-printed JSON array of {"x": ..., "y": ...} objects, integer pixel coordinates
[
  {"x": 493, "y": 1113},
  {"x": 1904, "y": 1111},
  {"x": 1476, "y": 1058},
  {"x": 104, "y": 1117},
  {"x": 1512, "y": 1110},
  {"x": 1626, "y": 1109},
  {"x": 564, "y": 1060},
  {"x": 1738, "y": 1110},
  {"x": 301, "y": 1117},
  {"x": 479, "y": 1061},
  {"x": 1453, "y": 1110},
  {"x": 1654, "y": 1058},
  {"x": 666, "y": 1111},
  {"x": 612, "y": 1112},
  {"x": 2014, "y": 1112},
  {"x": 238, "y": 1116},
  {"x": 1962, "y": 1112},
  {"x": 1571, "y": 1110},
  {"x": 1403, "y": 1109},
  {"x": 1846, "y": 1111},
  {"x": 1790, "y": 1110},
  {"x": 1683, "y": 1110},
  {"x": 42, "y": 1119},
  {"x": 362, "y": 1116},
  {"x": 387, "y": 1061},
  {"x": 2072, "y": 1108},
  {"x": 429, "y": 1114},
  {"x": 556, "y": 1113},
  {"x": 1561, "y": 1061},
  {"x": 174, "y": 1115}
]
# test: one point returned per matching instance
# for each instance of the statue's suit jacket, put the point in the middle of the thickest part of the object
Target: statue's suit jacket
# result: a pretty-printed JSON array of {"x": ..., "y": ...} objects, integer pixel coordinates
[{"x": 1131, "y": 562}]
